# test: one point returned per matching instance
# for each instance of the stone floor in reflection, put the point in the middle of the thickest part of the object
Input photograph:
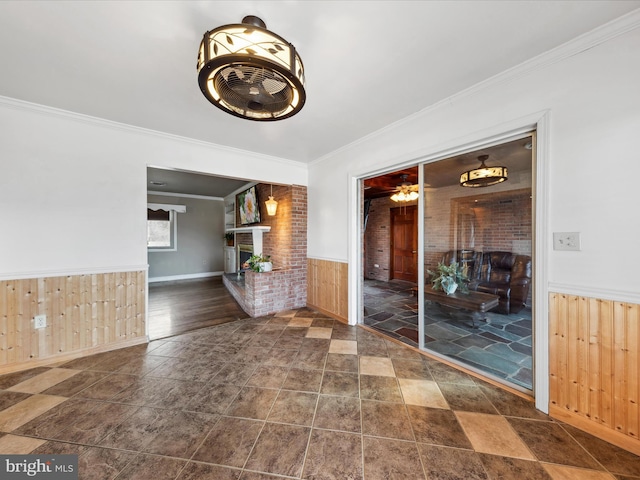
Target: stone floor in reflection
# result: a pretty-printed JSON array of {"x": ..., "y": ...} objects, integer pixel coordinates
[
  {"x": 291, "y": 396},
  {"x": 501, "y": 346}
]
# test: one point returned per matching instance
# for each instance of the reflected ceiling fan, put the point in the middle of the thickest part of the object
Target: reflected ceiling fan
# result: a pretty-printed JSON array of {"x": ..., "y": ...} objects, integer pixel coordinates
[{"x": 405, "y": 192}]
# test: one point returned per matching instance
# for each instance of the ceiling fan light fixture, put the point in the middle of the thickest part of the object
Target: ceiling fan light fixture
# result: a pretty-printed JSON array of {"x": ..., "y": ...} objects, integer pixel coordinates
[
  {"x": 404, "y": 196},
  {"x": 483, "y": 176},
  {"x": 406, "y": 192},
  {"x": 251, "y": 72}
]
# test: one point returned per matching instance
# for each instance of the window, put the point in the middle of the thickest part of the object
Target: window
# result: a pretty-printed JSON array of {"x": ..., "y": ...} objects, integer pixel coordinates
[{"x": 162, "y": 227}]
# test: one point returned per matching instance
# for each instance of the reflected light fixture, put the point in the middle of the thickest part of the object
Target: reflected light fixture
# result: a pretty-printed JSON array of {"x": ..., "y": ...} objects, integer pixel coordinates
[
  {"x": 272, "y": 205},
  {"x": 483, "y": 176},
  {"x": 406, "y": 192},
  {"x": 250, "y": 72}
]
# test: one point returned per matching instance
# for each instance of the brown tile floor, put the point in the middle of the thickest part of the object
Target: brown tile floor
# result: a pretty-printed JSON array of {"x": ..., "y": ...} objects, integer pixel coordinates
[{"x": 296, "y": 395}]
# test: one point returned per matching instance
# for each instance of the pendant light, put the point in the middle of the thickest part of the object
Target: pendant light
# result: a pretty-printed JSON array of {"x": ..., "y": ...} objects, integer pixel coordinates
[
  {"x": 271, "y": 204},
  {"x": 483, "y": 176}
]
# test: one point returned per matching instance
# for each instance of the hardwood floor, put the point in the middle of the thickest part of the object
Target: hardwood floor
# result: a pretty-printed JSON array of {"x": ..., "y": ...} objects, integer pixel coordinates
[{"x": 182, "y": 306}]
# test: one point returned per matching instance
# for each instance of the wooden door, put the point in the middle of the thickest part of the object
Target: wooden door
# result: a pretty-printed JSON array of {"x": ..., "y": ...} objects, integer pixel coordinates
[{"x": 404, "y": 243}]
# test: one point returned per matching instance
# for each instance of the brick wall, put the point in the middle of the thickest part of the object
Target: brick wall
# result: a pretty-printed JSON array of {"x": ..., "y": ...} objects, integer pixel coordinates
[
  {"x": 488, "y": 221},
  {"x": 504, "y": 222},
  {"x": 496, "y": 220},
  {"x": 377, "y": 239},
  {"x": 286, "y": 287}
]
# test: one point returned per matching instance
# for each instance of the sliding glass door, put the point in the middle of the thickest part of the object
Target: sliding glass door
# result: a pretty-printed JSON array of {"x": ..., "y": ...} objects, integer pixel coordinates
[{"x": 484, "y": 230}]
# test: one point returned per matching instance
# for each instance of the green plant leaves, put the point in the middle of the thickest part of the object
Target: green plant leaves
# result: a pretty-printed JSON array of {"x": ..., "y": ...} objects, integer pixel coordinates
[{"x": 447, "y": 274}]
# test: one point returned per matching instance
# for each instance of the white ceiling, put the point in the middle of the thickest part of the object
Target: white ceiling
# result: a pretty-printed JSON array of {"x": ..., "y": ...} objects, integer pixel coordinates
[
  {"x": 368, "y": 64},
  {"x": 174, "y": 181}
]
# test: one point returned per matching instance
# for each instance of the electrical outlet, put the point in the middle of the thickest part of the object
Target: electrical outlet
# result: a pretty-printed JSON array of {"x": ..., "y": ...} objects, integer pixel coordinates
[
  {"x": 40, "y": 321},
  {"x": 566, "y": 241}
]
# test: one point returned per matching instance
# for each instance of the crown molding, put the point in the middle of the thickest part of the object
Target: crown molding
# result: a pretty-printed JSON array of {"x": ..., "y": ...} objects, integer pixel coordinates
[
  {"x": 123, "y": 127},
  {"x": 575, "y": 46}
]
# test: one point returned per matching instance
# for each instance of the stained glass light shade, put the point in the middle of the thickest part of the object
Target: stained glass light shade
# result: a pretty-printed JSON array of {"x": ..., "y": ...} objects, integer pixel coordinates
[
  {"x": 483, "y": 176},
  {"x": 250, "y": 72}
]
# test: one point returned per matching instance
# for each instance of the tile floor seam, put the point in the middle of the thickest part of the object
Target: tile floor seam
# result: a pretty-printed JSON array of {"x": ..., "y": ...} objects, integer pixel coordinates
[
  {"x": 271, "y": 475},
  {"x": 577, "y": 468},
  {"x": 204, "y": 439},
  {"x": 421, "y": 460},
  {"x": 126, "y": 465},
  {"x": 306, "y": 451},
  {"x": 181, "y": 470},
  {"x": 515, "y": 432},
  {"x": 253, "y": 446},
  {"x": 362, "y": 454},
  {"x": 592, "y": 456},
  {"x": 109, "y": 431},
  {"x": 200, "y": 462},
  {"x": 145, "y": 454},
  {"x": 447, "y": 446}
]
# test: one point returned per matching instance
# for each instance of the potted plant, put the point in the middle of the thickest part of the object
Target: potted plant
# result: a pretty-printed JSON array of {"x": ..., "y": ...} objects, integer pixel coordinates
[
  {"x": 259, "y": 263},
  {"x": 229, "y": 238},
  {"x": 449, "y": 278}
]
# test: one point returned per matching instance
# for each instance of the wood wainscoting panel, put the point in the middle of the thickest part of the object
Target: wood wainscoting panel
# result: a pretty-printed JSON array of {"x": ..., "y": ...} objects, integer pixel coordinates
[
  {"x": 594, "y": 365},
  {"x": 327, "y": 287},
  {"x": 83, "y": 313}
]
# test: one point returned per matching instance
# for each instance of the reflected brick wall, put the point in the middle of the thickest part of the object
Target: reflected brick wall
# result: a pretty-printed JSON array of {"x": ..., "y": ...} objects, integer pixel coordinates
[{"x": 483, "y": 222}]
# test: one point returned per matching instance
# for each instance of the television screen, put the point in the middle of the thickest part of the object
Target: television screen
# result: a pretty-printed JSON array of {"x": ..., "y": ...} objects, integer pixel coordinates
[{"x": 248, "y": 206}]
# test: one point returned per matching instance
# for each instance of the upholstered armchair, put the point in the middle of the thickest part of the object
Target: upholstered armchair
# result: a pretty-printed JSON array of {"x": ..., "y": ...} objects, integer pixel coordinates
[{"x": 506, "y": 275}]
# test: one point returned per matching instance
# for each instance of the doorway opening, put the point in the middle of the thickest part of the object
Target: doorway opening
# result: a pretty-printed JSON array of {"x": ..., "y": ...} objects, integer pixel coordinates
[{"x": 488, "y": 231}]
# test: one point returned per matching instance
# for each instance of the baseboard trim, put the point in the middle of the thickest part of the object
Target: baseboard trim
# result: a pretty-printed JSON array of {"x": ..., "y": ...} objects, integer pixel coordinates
[
  {"x": 331, "y": 314},
  {"x": 58, "y": 359},
  {"x": 187, "y": 276},
  {"x": 602, "y": 432}
]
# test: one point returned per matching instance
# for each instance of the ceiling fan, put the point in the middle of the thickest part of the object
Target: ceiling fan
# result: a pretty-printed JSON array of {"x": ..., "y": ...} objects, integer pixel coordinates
[{"x": 405, "y": 192}]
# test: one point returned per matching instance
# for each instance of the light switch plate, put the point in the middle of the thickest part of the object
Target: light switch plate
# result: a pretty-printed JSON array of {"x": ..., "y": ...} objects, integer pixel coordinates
[{"x": 566, "y": 241}]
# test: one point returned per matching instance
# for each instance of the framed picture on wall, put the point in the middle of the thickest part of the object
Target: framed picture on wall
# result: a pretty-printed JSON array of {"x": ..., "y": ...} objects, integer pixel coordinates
[{"x": 248, "y": 206}]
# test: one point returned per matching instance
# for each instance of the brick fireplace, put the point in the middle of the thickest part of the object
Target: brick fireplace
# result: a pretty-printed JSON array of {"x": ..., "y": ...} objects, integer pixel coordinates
[
  {"x": 244, "y": 252},
  {"x": 285, "y": 287}
]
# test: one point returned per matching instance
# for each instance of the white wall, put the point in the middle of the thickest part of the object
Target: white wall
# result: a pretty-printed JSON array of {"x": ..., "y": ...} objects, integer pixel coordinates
[
  {"x": 592, "y": 97},
  {"x": 73, "y": 189},
  {"x": 200, "y": 242}
]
